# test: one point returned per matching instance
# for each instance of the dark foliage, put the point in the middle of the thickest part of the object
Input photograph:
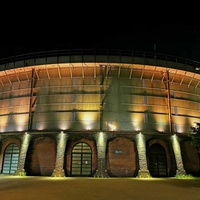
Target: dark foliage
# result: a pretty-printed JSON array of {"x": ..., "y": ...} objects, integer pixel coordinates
[{"x": 195, "y": 135}]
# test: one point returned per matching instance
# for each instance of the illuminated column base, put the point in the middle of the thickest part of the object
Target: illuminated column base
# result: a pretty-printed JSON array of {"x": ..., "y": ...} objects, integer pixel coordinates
[
  {"x": 180, "y": 172},
  {"x": 61, "y": 144},
  {"x": 143, "y": 173},
  {"x": 24, "y": 147},
  {"x": 177, "y": 151},
  {"x": 58, "y": 173},
  {"x": 101, "y": 171},
  {"x": 141, "y": 147},
  {"x": 20, "y": 172}
]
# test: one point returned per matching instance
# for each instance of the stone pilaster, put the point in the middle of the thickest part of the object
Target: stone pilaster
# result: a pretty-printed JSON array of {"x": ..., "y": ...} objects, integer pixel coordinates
[
  {"x": 141, "y": 147},
  {"x": 22, "y": 156},
  {"x": 101, "y": 141},
  {"x": 61, "y": 145},
  {"x": 177, "y": 151}
]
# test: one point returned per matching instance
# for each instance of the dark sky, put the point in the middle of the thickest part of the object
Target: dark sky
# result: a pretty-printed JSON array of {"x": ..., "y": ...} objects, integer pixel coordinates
[{"x": 179, "y": 39}]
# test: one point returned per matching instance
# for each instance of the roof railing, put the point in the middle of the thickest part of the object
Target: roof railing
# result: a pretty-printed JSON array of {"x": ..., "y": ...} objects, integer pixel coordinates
[{"x": 105, "y": 52}]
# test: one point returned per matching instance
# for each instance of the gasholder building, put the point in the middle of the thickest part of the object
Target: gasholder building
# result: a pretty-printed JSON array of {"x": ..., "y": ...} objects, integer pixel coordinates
[{"x": 98, "y": 113}]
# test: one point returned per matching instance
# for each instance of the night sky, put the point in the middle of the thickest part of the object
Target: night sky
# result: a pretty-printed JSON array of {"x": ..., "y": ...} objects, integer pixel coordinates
[{"x": 178, "y": 39}]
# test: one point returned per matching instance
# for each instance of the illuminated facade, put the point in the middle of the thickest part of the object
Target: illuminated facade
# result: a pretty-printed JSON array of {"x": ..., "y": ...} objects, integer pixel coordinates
[{"x": 98, "y": 113}]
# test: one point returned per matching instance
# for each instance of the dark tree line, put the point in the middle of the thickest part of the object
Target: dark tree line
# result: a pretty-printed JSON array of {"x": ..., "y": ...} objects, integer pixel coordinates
[{"x": 195, "y": 135}]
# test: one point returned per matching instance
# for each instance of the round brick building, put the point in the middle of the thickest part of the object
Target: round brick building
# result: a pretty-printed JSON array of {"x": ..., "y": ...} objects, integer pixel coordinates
[{"x": 98, "y": 113}]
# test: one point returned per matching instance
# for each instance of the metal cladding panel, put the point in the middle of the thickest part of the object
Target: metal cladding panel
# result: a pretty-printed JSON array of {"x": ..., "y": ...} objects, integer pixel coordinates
[
  {"x": 88, "y": 58},
  {"x": 40, "y": 61},
  {"x": 64, "y": 59},
  {"x": 14, "y": 127},
  {"x": 52, "y": 60},
  {"x": 91, "y": 96},
  {"x": 12, "y": 65},
  {"x": 29, "y": 62},
  {"x": 127, "y": 59},
  {"x": 76, "y": 59},
  {"x": 19, "y": 64}
]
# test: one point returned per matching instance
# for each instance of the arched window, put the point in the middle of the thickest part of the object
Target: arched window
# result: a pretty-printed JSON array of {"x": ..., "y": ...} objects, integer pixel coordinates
[
  {"x": 81, "y": 160},
  {"x": 10, "y": 161}
]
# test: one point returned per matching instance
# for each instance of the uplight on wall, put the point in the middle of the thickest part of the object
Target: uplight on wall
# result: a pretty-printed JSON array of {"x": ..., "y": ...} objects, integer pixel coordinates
[
  {"x": 111, "y": 126},
  {"x": 3, "y": 123},
  {"x": 88, "y": 119},
  {"x": 136, "y": 125},
  {"x": 136, "y": 121},
  {"x": 20, "y": 121},
  {"x": 160, "y": 128},
  {"x": 64, "y": 125}
]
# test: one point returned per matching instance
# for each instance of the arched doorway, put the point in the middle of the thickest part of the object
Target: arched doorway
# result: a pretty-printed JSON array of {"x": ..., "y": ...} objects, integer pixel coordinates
[
  {"x": 191, "y": 158},
  {"x": 81, "y": 160},
  {"x": 157, "y": 161},
  {"x": 121, "y": 157},
  {"x": 10, "y": 161},
  {"x": 41, "y": 157}
]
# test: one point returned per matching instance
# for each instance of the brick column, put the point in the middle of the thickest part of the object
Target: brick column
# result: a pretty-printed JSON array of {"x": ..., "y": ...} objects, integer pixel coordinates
[
  {"x": 22, "y": 156},
  {"x": 141, "y": 147},
  {"x": 177, "y": 151},
  {"x": 101, "y": 142},
  {"x": 61, "y": 145}
]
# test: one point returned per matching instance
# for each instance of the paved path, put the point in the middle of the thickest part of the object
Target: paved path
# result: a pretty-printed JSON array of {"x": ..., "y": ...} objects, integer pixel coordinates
[{"x": 68, "y": 188}]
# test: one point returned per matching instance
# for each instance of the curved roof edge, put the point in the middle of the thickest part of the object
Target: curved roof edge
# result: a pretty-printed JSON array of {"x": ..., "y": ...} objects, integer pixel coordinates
[{"x": 98, "y": 55}]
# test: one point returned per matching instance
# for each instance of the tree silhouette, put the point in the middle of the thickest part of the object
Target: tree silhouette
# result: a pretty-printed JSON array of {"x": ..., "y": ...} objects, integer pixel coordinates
[{"x": 195, "y": 135}]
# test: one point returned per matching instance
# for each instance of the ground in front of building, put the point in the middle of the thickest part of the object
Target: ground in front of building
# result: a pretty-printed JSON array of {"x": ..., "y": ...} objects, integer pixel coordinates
[{"x": 71, "y": 188}]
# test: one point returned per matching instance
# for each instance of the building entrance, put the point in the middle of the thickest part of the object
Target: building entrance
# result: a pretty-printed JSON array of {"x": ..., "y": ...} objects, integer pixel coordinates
[
  {"x": 157, "y": 161},
  {"x": 81, "y": 160},
  {"x": 10, "y": 161}
]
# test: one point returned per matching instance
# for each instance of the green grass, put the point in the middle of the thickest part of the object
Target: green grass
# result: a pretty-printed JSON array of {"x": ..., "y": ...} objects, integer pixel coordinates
[{"x": 188, "y": 176}]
